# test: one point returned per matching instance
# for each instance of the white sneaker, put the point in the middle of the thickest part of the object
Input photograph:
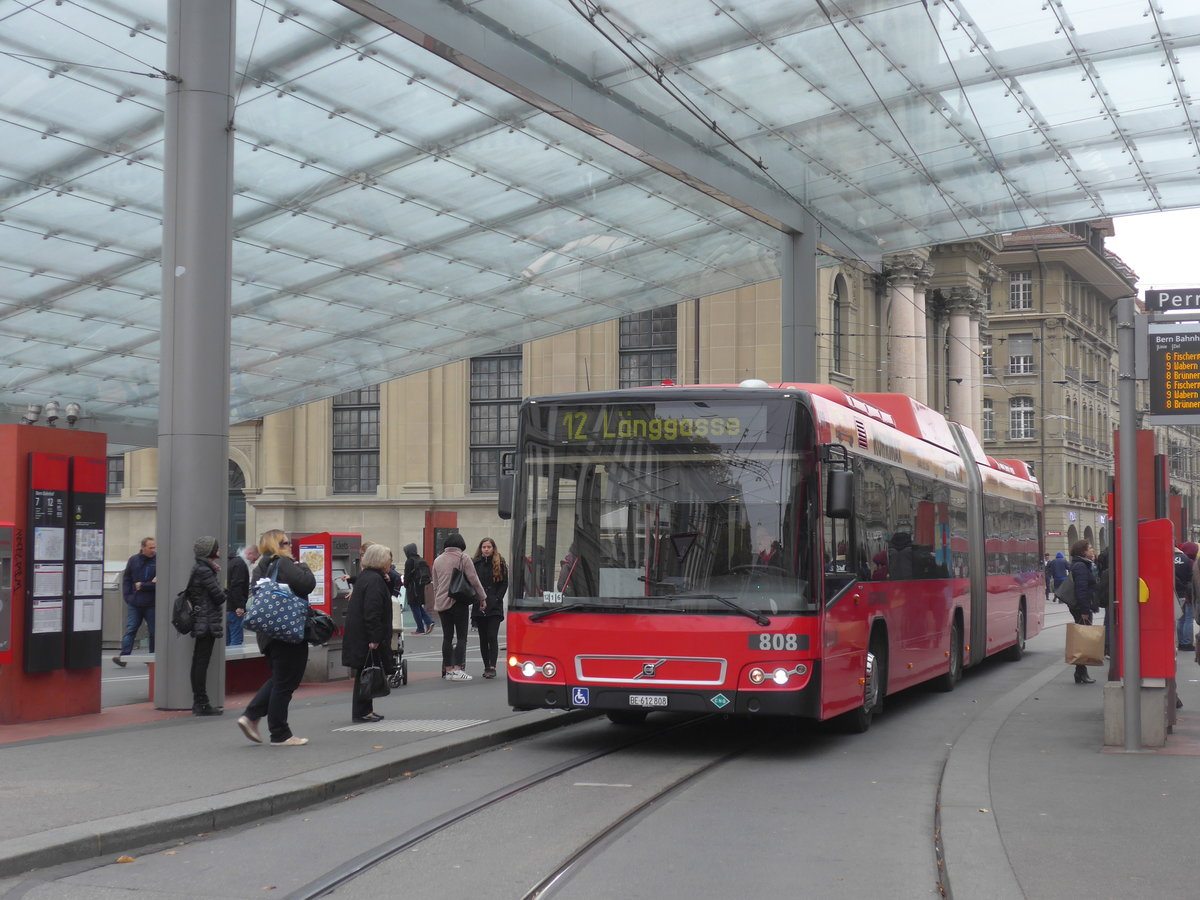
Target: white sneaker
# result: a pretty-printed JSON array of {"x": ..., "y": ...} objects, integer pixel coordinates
[{"x": 458, "y": 675}]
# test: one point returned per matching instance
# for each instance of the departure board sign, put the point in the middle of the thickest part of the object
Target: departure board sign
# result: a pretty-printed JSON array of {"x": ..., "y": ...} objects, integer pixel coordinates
[{"x": 1174, "y": 357}]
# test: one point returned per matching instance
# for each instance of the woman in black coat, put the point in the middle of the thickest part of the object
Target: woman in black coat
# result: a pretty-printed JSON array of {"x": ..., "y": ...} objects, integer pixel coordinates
[
  {"x": 368, "y": 626},
  {"x": 208, "y": 615},
  {"x": 1083, "y": 605},
  {"x": 488, "y": 614},
  {"x": 287, "y": 661}
]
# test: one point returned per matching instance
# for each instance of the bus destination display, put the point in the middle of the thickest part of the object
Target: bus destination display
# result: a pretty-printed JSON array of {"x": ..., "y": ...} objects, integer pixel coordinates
[
  {"x": 656, "y": 423},
  {"x": 1174, "y": 370}
]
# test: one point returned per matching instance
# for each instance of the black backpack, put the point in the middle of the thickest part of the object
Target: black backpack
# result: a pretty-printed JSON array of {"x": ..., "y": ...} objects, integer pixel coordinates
[
  {"x": 1183, "y": 573},
  {"x": 181, "y": 613}
]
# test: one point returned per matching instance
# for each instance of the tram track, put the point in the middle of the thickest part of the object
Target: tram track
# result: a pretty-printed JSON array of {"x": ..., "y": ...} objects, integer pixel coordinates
[{"x": 348, "y": 871}]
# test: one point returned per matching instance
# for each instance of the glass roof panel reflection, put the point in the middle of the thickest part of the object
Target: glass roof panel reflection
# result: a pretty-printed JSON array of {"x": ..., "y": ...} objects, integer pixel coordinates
[{"x": 381, "y": 190}]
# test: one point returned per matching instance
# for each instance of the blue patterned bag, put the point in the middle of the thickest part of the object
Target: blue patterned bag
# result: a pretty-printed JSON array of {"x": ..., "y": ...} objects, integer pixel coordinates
[{"x": 275, "y": 611}]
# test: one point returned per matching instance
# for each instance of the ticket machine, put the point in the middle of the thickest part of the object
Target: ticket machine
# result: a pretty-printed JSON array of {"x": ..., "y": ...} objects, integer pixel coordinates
[{"x": 333, "y": 558}]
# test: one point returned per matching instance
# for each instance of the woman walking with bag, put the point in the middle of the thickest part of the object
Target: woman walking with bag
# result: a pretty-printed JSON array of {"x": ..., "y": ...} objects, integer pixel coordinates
[
  {"x": 368, "y": 627},
  {"x": 287, "y": 661},
  {"x": 488, "y": 614},
  {"x": 1083, "y": 605},
  {"x": 208, "y": 612},
  {"x": 455, "y": 612}
]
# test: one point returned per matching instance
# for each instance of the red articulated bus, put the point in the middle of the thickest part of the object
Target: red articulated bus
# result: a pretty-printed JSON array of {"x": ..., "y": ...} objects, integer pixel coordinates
[{"x": 775, "y": 550}]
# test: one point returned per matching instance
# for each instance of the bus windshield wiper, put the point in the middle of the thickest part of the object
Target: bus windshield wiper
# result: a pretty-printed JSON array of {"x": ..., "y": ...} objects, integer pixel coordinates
[
  {"x": 732, "y": 604},
  {"x": 601, "y": 607}
]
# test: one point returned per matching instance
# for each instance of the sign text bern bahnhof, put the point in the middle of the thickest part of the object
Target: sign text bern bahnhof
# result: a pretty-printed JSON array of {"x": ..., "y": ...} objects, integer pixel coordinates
[{"x": 1174, "y": 355}]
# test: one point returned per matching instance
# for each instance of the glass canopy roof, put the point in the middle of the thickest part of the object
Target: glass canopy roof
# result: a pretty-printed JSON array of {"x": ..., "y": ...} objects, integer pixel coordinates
[{"x": 406, "y": 197}]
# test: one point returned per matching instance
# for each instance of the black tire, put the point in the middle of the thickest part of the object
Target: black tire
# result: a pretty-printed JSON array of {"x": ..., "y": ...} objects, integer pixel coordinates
[
  {"x": 404, "y": 671},
  {"x": 626, "y": 717},
  {"x": 946, "y": 681},
  {"x": 1017, "y": 650},
  {"x": 874, "y": 690}
]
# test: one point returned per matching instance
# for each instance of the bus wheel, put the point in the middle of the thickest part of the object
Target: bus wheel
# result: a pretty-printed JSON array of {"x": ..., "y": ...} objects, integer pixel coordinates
[
  {"x": 947, "y": 681},
  {"x": 1017, "y": 650},
  {"x": 874, "y": 686},
  {"x": 626, "y": 717}
]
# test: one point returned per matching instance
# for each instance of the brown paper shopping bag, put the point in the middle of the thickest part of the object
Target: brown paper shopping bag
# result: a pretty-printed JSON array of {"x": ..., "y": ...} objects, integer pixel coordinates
[{"x": 1085, "y": 645}]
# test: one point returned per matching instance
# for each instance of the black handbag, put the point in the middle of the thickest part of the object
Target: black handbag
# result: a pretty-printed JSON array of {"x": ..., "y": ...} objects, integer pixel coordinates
[
  {"x": 319, "y": 629},
  {"x": 372, "y": 680},
  {"x": 461, "y": 590}
]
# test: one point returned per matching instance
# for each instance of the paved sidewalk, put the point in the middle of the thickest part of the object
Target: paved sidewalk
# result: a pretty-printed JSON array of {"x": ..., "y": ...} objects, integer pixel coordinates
[{"x": 1032, "y": 805}]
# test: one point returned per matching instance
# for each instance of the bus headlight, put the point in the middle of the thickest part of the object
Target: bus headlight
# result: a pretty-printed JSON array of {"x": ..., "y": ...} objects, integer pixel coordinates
[
  {"x": 757, "y": 676},
  {"x": 549, "y": 669},
  {"x": 528, "y": 669},
  {"x": 780, "y": 676}
]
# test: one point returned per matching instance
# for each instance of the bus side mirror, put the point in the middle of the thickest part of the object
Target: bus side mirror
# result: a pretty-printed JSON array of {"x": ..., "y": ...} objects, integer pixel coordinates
[
  {"x": 839, "y": 495},
  {"x": 506, "y": 484},
  {"x": 504, "y": 501}
]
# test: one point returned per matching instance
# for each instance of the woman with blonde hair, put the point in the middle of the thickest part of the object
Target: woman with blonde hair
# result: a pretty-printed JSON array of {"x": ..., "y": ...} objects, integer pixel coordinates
[
  {"x": 287, "y": 661},
  {"x": 368, "y": 626},
  {"x": 487, "y": 614}
]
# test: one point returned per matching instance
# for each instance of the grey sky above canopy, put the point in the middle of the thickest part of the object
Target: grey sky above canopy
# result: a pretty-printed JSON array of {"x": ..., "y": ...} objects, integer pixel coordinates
[{"x": 396, "y": 209}]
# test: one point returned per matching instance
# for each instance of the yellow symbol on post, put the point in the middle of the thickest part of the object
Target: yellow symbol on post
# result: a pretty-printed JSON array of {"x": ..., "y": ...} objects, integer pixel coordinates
[{"x": 1143, "y": 591}]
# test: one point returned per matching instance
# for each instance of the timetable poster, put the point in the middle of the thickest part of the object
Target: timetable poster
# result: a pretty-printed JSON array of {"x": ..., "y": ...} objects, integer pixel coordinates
[
  {"x": 46, "y": 595},
  {"x": 85, "y": 557}
]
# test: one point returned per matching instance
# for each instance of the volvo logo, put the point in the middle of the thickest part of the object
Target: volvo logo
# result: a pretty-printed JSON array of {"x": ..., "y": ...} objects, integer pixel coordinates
[{"x": 650, "y": 669}]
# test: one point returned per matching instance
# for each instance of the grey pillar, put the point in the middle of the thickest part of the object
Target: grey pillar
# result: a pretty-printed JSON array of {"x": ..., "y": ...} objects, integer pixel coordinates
[
  {"x": 193, "y": 429},
  {"x": 798, "y": 360},
  {"x": 1127, "y": 518}
]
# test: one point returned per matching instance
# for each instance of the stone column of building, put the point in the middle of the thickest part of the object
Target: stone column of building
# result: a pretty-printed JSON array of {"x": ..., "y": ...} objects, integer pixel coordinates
[
  {"x": 902, "y": 272},
  {"x": 978, "y": 316},
  {"x": 964, "y": 366},
  {"x": 278, "y": 454},
  {"x": 921, "y": 335}
]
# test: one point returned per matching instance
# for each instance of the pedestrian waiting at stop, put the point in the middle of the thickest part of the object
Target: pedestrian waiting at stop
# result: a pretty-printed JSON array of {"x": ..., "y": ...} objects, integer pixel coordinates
[
  {"x": 237, "y": 591},
  {"x": 208, "y": 611},
  {"x": 1083, "y": 606},
  {"x": 138, "y": 584},
  {"x": 455, "y": 614},
  {"x": 368, "y": 631},
  {"x": 489, "y": 613}
]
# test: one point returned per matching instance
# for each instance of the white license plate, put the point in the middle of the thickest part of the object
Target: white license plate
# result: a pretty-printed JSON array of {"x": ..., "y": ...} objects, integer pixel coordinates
[{"x": 647, "y": 700}]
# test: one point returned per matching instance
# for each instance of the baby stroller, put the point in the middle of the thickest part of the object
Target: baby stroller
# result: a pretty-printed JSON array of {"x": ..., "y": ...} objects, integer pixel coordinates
[{"x": 399, "y": 673}]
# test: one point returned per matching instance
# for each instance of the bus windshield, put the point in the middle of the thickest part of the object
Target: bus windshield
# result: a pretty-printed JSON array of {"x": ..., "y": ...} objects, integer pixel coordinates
[{"x": 666, "y": 506}]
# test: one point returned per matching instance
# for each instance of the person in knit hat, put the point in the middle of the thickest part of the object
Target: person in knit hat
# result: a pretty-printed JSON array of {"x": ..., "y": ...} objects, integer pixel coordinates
[{"x": 208, "y": 615}]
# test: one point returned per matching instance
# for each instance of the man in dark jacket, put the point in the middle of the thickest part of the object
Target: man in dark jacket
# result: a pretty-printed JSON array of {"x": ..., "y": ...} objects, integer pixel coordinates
[
  {"x": 238, "y": 589},
  {"x": 416, "y": 578},
  {"x": 208, "y": 602},
  {"x": 1056, "y": 573},
  {"x": 137, "y": 586}
]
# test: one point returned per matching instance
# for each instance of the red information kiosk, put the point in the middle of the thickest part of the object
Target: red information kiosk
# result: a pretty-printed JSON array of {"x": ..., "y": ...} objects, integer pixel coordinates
[{"x": 52, "y": 565}]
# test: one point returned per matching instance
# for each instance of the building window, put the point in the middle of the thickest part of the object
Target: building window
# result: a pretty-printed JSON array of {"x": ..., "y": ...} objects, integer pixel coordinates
[
  {"x": 1020, "y": 290},
  {"x": 985, "y": 358},
  {"x": 839, "y": 291},
  {"x": 356, "y": 441},
  {"x": 989, "y": 420},
  {"x": 495, "y": 400},
  {"x": 648, "y": 347},
  {"x": 116, "y": 475},
  {"x": 1020, "y": 354},
  {"x": 1020, "y": 419}
]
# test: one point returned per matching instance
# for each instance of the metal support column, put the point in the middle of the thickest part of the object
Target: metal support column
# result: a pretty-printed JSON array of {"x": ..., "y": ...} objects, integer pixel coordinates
[
  {"x": 1127, "y": 518},
  {"x": 193, "y": 429},
  {"x": 798, "y": 359}
]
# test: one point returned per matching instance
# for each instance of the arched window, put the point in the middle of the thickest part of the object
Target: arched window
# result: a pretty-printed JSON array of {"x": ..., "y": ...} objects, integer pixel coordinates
[{"x": 837, "y": 324}]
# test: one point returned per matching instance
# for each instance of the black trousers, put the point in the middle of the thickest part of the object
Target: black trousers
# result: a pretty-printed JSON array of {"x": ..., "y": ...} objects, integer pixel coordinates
[
  {"x": 489, "y": 639},
  {"x": 287, "y": 662},
  {"x": 201, "y": 654},
  {"x": 455, "y": 622}
]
